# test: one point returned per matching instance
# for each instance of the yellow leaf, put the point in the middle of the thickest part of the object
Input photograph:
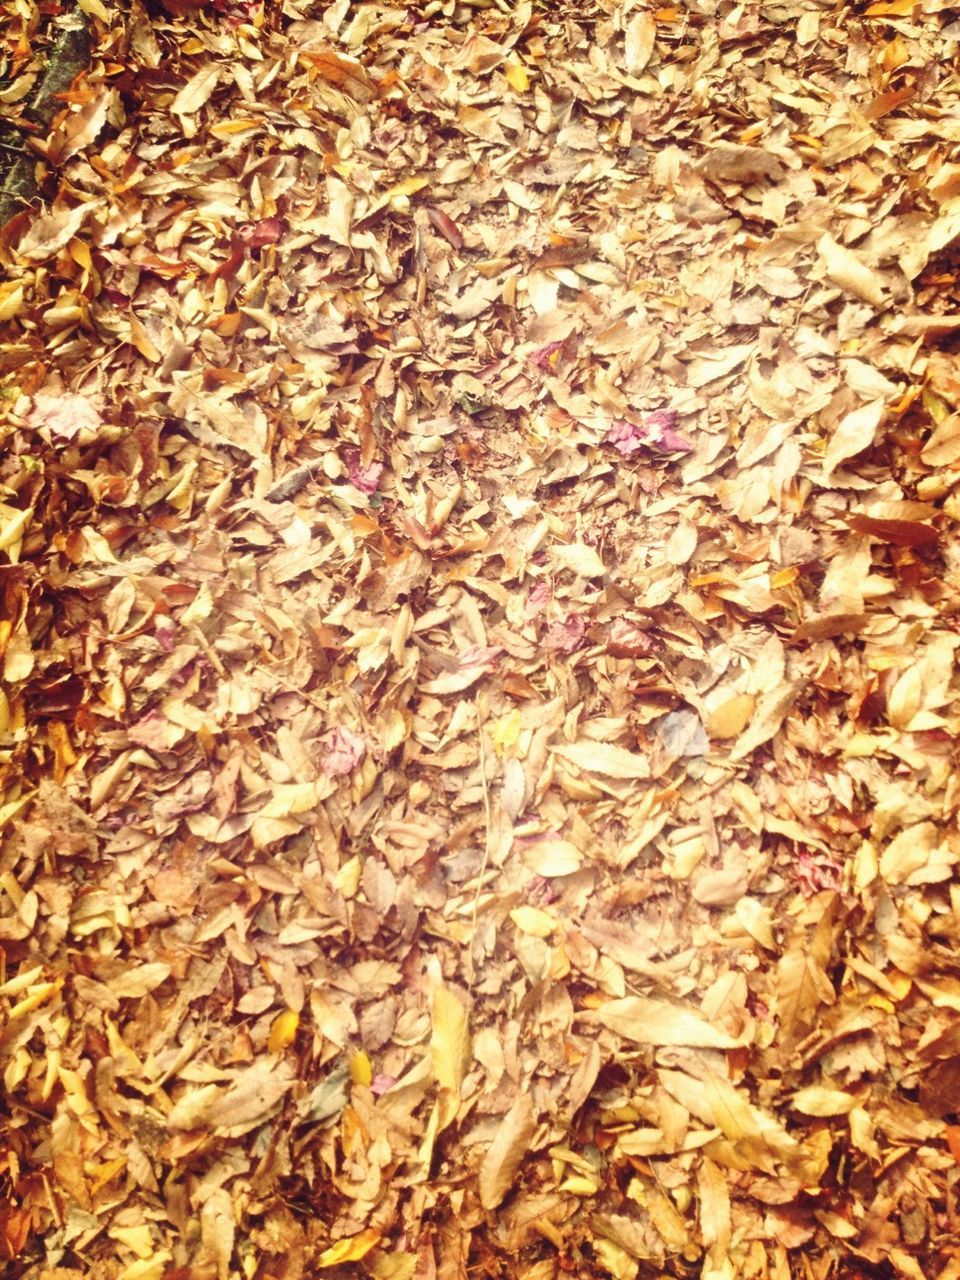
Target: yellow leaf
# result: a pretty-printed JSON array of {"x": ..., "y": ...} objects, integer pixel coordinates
[
  {"x": 505, "y": 732},
  {"x": 408, "y": 187},
  {"x": 757, "y": 921},
  {"x": 579, "y": 1185},
  {"x": 283, "y": 1031},
  {"x": 892, "y": 9},
  {"x": 11, "y": 299},
  {"x": 15, "y": 526},
  {"x": 347, "y": 879},
  {"x": 450, "y": 1042},
  {"x": 293, "y": 797},
  {"x": 226, "y": 128},
  {"x": 352, "y": 1249},
  {"x": 539, "y": 924},
  {"x": 516, "y": 74},
  {"x": 96, "y": 10},
  {"x": 361, "y": 1071}
]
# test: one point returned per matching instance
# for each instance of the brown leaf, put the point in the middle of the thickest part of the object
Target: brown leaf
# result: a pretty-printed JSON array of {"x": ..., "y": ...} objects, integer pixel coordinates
[{"x": 507, "y": 1151}]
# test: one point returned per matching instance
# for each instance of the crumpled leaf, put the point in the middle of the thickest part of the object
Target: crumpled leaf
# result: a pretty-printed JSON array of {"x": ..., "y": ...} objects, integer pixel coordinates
[
  {"x": 364, "y": 478},
  {"x": 566, "y": 636}
]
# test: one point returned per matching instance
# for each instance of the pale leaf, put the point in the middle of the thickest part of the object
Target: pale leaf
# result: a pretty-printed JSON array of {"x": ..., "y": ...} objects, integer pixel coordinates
[
  {"x": 639, "y": 40},
  {"x": 802, "y": 986},
  {"x": 714, "y": 1195},
  {"x": 718, "y": 364},
  {"x": 606, "y": 759},
  {"x": 52, "y": 232},
  {"x": 581, "y": 559},
  {"x": 658, "y": 1022},
  {"x": 197, "y": 91},
  {"x": 218, "y": 1228},
  {"x": 251, "y": 1097},
  {"x": 140, "y": 979},
  {"x": 853, "y": 433},
  {"x": 757, "y": 921},
  {"x": 551, "y": 856},
  {"x": 845, "y": 270}
]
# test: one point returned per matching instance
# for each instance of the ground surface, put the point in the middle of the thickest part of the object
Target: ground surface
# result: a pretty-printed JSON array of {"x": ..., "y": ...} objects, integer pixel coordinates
[{"x": 479, "y": 632}]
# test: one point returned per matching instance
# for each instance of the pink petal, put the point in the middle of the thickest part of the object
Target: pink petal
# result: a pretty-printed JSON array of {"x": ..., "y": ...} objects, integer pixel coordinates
[
  {"x": 538, "y": 599},
  {"x": 479, "y": 656},
  {"x": 363, "y": 478},
  {"x": 344, "y": 751},
  {"x": 566, "y": 636},
  {"x": 543, "y": 359}
]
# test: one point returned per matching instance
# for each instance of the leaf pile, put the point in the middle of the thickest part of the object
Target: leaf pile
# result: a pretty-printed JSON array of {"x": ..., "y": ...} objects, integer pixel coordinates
[{"x": 479, "y": 645}]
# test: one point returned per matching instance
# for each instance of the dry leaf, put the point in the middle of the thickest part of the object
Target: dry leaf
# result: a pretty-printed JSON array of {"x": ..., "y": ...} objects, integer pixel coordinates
[
  {"x": 581, "y": 559},
  {"x": 854, "y": 432},
  {"x": 848, "y": 272},
  {"x": 197, "y": 91},
  {"x": 506, "y": 1152},
  {"x": 52, "y": 232},
  {"x": 449, "y": 1050},
  {"x": 639, "y": 42},
  {"x": 818, "y": 1101},
  {"x": 605, "y": 758},
  {"x": 658, "y": 1022}
]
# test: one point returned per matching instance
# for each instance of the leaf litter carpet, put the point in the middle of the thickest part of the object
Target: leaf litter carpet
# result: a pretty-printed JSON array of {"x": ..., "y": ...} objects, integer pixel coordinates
[{"x": 479, "y": 628}]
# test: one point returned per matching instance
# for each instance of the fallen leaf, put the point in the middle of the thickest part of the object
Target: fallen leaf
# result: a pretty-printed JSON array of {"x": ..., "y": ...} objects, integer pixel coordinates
[
  {"x": 506, "y": 1152},
  {"x": 658, "y": 1022},
  {"x": 847, "y": 271}
]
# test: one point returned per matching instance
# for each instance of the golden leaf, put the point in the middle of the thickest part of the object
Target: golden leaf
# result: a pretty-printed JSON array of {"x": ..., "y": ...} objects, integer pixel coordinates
[
  {"x": 516, "y": 73},
  {"x": 350, "y": 1249},
  {"x": 450, "y": 1042},
  {"x": 283, "y": 1031}
]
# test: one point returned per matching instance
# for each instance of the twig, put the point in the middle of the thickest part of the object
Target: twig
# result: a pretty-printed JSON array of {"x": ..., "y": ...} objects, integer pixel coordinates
[{"x": 486, "y": 826}]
